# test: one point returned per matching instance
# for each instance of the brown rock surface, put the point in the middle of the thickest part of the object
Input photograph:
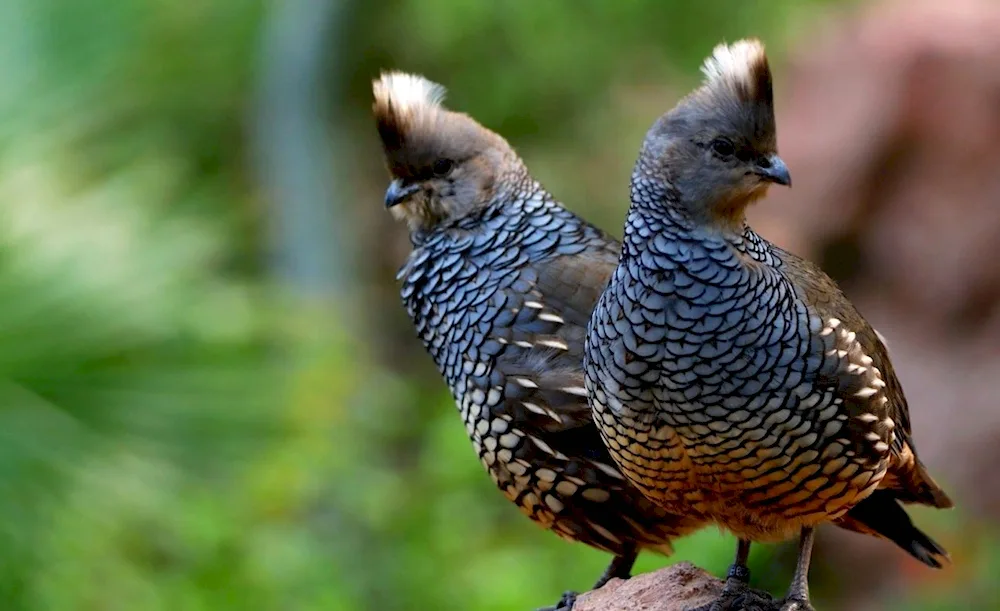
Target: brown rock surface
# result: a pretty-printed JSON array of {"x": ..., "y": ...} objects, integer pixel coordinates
[{"x": 679, "y": 587}]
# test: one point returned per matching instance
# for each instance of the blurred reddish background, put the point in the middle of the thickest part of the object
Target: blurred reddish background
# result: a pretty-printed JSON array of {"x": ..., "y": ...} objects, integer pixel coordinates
[{"x": 890, "y": 123}]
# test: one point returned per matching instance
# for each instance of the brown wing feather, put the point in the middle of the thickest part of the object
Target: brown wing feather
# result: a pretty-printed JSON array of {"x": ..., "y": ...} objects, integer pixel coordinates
[
  {"x": 543, "y": 359},
  {"x": 906, "y": 477},
  {"x": 540, "y": 374}
]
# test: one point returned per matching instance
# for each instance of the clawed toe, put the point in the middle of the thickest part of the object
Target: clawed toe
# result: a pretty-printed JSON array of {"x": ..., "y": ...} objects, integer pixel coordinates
[
  {"x": 743, "y": 600},
  {"x": 565, "y": 603},
  {"x": 721, "y": 604},
  {"x": 727, "y": 601},
  {"x": 754, "y": 600}
]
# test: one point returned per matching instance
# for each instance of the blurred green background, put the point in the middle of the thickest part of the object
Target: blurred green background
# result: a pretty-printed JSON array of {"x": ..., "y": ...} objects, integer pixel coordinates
[{"x": 211, "y": 397}]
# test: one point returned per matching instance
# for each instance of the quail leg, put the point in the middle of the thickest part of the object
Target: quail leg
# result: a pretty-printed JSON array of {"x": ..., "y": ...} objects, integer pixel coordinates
[
  {"x": 736, "y": 594},
  {"x": 620, "y": 567},
  {"x": 739, "y": 573},
  {"x": 798, "y": 593}
]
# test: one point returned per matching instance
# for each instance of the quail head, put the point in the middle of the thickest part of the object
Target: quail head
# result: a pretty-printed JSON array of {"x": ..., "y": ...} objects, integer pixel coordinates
[
  {"x": 500, "y": 285},
  {"x": 733, "y": 380}
]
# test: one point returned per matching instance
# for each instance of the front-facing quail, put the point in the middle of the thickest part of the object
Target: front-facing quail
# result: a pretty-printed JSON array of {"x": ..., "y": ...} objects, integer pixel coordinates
[
  {"x": 500, "y": 285},
  {"x": 732, "y": 379}
]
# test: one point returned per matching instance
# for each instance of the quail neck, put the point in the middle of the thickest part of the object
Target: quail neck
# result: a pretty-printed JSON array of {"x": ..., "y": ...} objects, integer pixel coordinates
[{"x": 654, "y": 223}]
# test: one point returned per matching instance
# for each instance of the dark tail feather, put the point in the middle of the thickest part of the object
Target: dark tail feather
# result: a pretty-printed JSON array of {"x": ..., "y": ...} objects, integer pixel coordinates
[{"x": 881, "y": 514}]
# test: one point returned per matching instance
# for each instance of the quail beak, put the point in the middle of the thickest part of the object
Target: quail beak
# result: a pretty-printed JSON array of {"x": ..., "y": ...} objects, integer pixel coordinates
[
  {"x": 398, "y": 192},
  {"x": 773, "y": 169}
]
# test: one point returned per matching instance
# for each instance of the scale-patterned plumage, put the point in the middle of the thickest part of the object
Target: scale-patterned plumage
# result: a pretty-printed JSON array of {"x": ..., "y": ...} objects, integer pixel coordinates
[
  {"x": 500, "y": 286},
  {"x": 730, "y": 378}
]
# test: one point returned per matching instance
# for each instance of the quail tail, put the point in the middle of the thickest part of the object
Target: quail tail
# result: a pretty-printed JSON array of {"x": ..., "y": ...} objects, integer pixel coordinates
[{"x": 883, "y": 515}]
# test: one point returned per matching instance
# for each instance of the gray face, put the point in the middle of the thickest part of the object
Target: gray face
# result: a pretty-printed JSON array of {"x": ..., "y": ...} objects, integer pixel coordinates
[
  {"x": 443, "y": 167},
  {"x": 449, "y": 190},
  {"x": 718, "y": 155}
]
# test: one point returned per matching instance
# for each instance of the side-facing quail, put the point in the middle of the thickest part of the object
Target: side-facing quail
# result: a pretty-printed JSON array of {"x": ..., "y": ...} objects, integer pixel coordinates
[
  {"x": 732, "y": 379},
  {"x": 500, "y": 285}
]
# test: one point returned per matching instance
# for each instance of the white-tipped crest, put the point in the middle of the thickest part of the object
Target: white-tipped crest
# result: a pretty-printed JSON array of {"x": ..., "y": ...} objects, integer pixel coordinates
[
  {"x": 739, "y": 67},
  {"x": 407, "y": 92}
]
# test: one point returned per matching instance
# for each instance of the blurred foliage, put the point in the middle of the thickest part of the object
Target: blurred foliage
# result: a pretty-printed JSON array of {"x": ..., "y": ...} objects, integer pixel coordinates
[
  {"x": 175, "y": 433},
  {"x": 554, "y": 60}
]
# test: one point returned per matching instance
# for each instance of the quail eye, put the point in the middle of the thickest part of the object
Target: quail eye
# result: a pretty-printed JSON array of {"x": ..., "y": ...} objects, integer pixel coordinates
[
  {"x": 442, "y": 167},
  {"x": 723, "y": 147}
]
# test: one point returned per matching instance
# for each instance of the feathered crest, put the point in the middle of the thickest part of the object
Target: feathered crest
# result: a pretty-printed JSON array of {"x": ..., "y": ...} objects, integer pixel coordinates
[
  {"x": 739, "y": 70},
  {"x": 403, "y": 101},
  {"x": 418, "y": 133}
]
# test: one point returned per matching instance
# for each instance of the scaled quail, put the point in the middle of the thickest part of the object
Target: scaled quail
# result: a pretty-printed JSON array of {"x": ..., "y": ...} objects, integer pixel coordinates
[
  {"x": 733, "y": 380},
  {"x": 500, "y": 285}
]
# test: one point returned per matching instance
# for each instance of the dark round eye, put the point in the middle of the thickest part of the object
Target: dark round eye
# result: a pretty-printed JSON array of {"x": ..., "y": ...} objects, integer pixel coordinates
[
  {"x": 442, "y": 167},
  {"x": 723, "y": 147}
]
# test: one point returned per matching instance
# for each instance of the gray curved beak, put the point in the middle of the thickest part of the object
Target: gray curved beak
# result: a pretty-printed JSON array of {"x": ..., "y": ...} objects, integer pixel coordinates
[
  {"x": 773, "y": 169},
  {"x": 398, "y": 192}
]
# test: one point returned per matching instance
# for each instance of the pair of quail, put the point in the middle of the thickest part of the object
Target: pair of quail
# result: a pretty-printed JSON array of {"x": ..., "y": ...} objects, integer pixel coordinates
[{"x": 623, "y": 395}]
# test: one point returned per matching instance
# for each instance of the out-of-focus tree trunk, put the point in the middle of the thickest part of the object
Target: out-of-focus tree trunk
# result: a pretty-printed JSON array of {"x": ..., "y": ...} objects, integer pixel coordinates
[{"x": 296, "y": 147}]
